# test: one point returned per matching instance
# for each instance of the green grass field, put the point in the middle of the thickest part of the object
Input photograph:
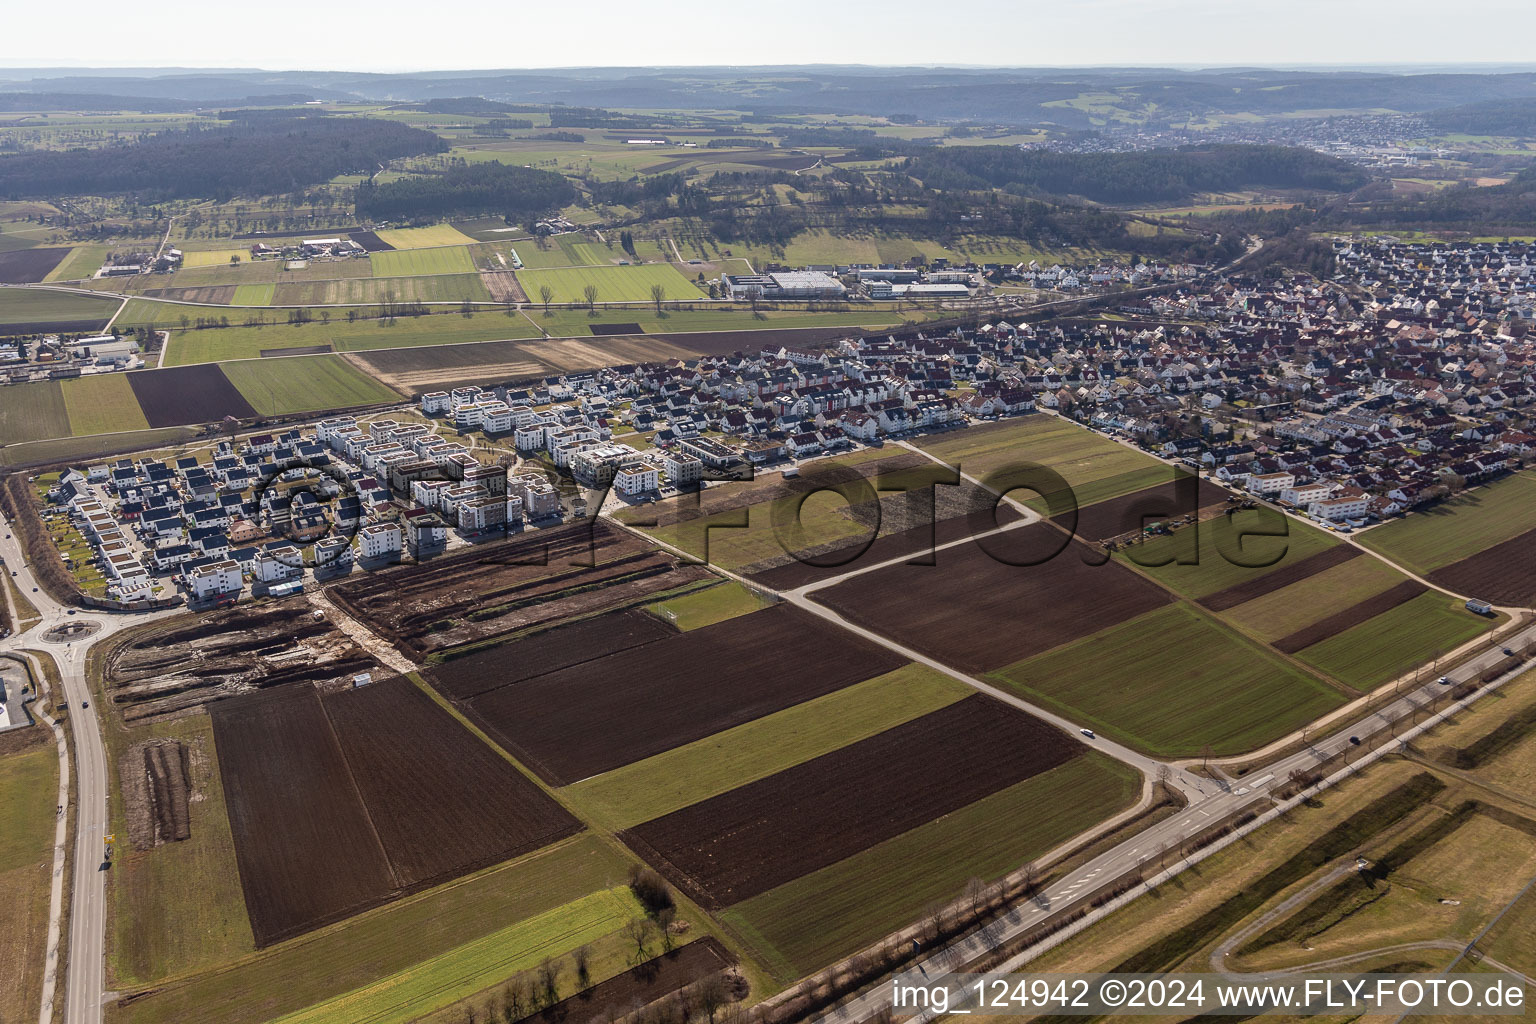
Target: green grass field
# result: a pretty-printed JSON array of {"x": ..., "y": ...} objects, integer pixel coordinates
[
  {"x": 696, "y": 771},
  {"x": 81, "y": 263},
  {"x": 60, "y": 449},
  {"x": 29, "y": 788},
  {"x": 254, "y": 294},
  {"x": 447, "y": 328},
  {"x": 361, "y": 291},
  {"x": 177, "y": 908},
  {"x": 194, "y": 258},
  {"x": 1230, "y": 551},
  {"x": 397, "y": 937},
  {"x": 268, "y": 272},
  {"x": 33, "y": 411},
  {"x": 292, "y": 384},
  {"x": 1095, "y": 467},
  {"x": 1172, "y": 681},
  {"x": 1282, "y": 612},
  {"x": 102, "y": 404},
  {"x": 805, "y": 924},
  {"x": 707, "y": 606},
  {"x": 30, "y": 305},
  {"x": 1397, "y": 641},
  {"x": 614, "y": 284},
  {"x": 1471, "y": 522},
  {"x": 422, "y": 262},
  {"x": 407, "y": 995},
  {"x": 422, "y": 238}
]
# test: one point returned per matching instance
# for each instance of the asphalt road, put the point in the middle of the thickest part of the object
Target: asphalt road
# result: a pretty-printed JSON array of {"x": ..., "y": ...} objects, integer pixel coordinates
[
  {"x": 1149, "y": 844},
  {"x": 84, "y": 982}
]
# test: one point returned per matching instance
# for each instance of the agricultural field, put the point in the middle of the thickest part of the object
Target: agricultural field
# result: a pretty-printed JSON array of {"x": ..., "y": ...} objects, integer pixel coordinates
[
  {"x": 1459, "y": 527},
  {"x": 254, "y": 294},
  {"x": 187, "y": 394},
  {"x": 29, "y": 266},
  {"x": 194, "y": 258},
  {"x": 1395, "y": 641},
  {"x": 305, "y": 773},
  {"x": 426, "y": 931},
  {"x": 573, "y": 722},
  {"x": 29, "y": 788},
  {"x": 432, "y": 368},
  {"x": 752, "y": 839},
  {"x": 1173, "y": 682},
  {"x": 422, "y": 262},
  {"x": 1069, "y": 591},
  {"x": 276, "y": 387},
  {"x": 1233, "y": 558},
  {"x": 817, "y": 918},
  {"x": 691, "y": 772},
  {"x": 1093, "y": 467},
  {"x": 33, "y": 411},
  {"x": 103, "y": 404},
  {"x": 176, "y": 901},
  {"x": 29, "y": 311},
  {"x": 82, "y": 262},
  {"x": 613, "y": 284},
  {"x": 93, "y": 447},
  {"x": 446, "y": 286},
  {"x": 707, "y": 606},
  {"x": 424, "y": 238},
  {"x": 341, "y": 335},
  {"x": 880, "y": 504}
]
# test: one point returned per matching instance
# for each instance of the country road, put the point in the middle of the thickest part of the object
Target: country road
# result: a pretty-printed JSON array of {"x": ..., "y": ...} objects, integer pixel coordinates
[{"x": 84, "y": 983}]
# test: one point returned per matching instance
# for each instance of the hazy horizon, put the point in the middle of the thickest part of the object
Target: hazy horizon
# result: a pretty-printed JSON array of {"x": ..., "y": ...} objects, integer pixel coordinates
[{"x": 994, "y": 34}]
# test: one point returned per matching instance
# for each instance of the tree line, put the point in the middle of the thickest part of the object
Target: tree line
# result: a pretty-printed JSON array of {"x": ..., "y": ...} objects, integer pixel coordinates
[
  {"x": 494, "y": 188},
  {"x": 1157, "y": 175},
  {"x": 261, "y": 157}
]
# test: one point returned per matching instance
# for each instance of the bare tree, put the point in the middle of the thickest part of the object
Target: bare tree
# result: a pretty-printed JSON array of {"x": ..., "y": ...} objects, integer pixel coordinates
[
  {"x": 639, "y": 932},
  {"x": 712, "y": 994},
  {"x": 547, "y": 294},
  {"x": 583, "y": 956},
  {"x": 590, "y": 294},
  {"x": 976, "y": 894},
  {"x": 658, "y": 295},
  {"x": 664, "y": 918},
  {"x": 549, "y": 981}
]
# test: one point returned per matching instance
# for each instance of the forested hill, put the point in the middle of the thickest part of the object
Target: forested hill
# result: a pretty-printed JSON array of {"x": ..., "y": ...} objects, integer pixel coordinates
[
  {"x": 1158, "y": 175},
  {"x": 259, "y": 157},
  {"x": 1494, "y": 117},
  {"x": 512, "y": 192}
]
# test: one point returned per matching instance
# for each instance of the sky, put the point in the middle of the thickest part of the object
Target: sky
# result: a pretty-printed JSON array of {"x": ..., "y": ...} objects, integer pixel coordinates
[{"x": 406, "y": 35}]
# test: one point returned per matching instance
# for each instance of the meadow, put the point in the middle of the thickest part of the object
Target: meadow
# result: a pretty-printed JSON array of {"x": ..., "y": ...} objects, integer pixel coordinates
[
  {"x": 424, "y": 238},
  {"x": 1396, "y": 641},
  {"x": 102, "y": 404},
  {"x": 1173, "y": 682},
  {"x": 695, "y": 771},
  {"x": 276, "y": 387},
  {"x": 1459, "y": 527},
  {"x": 33, "y": 306},
  {"x": 445, "y": 328},
  {"x": 28, "y": 785},
  {"x": 811, "y": 921},
  {"x": 614, "y": 284},
  {"x": 420, "y": 262}
]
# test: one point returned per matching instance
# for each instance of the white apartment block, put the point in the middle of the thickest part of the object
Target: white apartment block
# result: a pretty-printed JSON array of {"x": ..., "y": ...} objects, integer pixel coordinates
[{"x": 380, "y": 540}]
